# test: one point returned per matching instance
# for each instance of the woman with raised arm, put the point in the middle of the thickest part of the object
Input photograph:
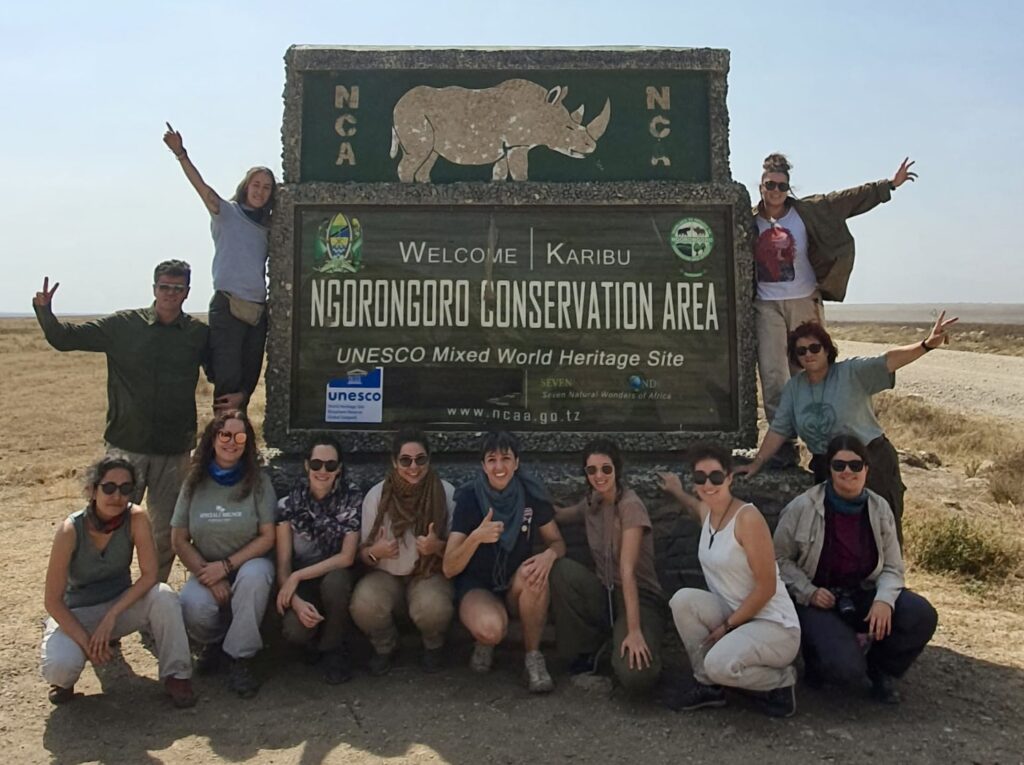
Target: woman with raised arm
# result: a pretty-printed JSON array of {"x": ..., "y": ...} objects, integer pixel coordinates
[
  {"x": 222, "y": 530},
  {"x": 90, "y": 595},
  {"x": 317, "y": 539},
  {"x": 831, "y": 397},
  {"x": 238, "y": 317},
  {"x": 839, "y": 556},
  {"x": 744, "y": 633},
  {"x": 623, "y": 600},
  {"x": 406, "y": 518}
]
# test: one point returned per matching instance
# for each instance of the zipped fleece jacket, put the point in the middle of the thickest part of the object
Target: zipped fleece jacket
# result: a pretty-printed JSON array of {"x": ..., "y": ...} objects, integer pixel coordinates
[{"x": 830, "y": 245}]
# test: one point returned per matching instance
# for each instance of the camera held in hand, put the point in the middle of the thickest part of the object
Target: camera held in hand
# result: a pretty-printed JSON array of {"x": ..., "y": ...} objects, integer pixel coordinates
[{"x": 845, "y": 604}]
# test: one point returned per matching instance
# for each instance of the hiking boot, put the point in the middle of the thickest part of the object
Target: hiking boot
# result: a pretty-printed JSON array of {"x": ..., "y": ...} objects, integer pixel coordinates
[
  {"x": 779, "y": 702},
  {"x": 337, "y": 669},
  {"x": 58, "y": 695},
  {"x": 883, "y": 687},
  {"x": 180, "y": 691},
  {"x": 537, "y": 678},
  {"x": 482, "y": 658},
  {"x": 242, "y": 680},
  {"x": 433, "y": 660},
  {"x": 210, "y": 659},
  {"x": 380, "y": 663},
  {"x": 697, "y": 696}
]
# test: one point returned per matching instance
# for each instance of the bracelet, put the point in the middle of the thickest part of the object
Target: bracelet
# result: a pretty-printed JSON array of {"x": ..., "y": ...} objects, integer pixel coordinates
[
  {"x": 926, "y": 347},
  {"x": 372, "y": 557},
  {"x": 227, "y": 565}
]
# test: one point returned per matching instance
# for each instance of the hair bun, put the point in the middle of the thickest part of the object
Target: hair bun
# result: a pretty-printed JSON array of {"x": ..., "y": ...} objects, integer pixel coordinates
[{"x": 777, "y": 163}]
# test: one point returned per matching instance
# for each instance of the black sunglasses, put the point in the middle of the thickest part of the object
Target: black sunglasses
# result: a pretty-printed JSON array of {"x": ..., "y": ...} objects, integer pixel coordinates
[
  {"x": 717, "y": 477},
  {"x": 178, "y": 288},
  {"x": 772, "y": 185},
  {"x": 803, "y": 350},
  {"x": 329, "y": 465},
  {"x": 840, "y": 465},
  {"x": 109, "y": 487},
  {"x": 606, "y": 469},
  {"x": 420, "y": 459}
]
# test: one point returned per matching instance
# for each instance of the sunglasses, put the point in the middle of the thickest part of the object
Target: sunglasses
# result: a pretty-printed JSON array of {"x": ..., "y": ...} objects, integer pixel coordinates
[
  {"x": 606, "y": 469},
  {"x": 803, "y": 350},
  {"x": 109, "y": 487},
  {"x": 840, "y": 465},
  {"x": 175, "y": 288},
  {"x": 226, "y": 438},
  {"x": 420, "y": 459},
  {"x": 717, "y": 477},
  {"x": 772, "y": 185},
  {"x": 329, "y": 465}
]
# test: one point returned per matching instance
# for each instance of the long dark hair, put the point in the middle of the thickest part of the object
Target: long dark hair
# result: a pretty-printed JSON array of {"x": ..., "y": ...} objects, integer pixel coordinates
[
  {"x": 334, "y": 444},
  {"x": 606, "y": 446},
  {"x": 204, "y": 454},
  {"x": 265, "y": 213},
  {"x": 95, "y": 472}
]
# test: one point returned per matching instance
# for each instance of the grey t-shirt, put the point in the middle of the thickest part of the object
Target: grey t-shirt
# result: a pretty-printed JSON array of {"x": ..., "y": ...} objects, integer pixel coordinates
[
  {"x": 841, "y": 403},
  {"x": 218, "y": 522},
  {"x": 239, "y": 253}
]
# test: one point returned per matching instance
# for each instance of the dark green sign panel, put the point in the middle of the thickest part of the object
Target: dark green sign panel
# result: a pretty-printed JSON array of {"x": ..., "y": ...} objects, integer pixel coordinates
[
  {"x": 569, "y": 125},
  {"x": 592, "y": 318}
]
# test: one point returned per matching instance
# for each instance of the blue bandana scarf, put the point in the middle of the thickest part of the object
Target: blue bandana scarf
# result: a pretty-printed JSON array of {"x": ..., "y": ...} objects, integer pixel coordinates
[{"x": 226, "y": 476}]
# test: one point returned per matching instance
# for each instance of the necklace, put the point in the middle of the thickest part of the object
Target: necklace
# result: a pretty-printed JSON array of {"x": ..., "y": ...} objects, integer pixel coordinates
[{"x": 711, "y": 531}]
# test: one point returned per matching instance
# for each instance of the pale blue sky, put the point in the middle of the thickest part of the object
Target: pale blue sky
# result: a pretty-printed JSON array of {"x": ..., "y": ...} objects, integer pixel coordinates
[{"x": 93, "y": 199}]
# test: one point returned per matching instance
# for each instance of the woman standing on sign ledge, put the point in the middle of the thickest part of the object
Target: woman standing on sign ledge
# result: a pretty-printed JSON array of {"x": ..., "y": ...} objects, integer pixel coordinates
[
  {"x": 238, "y": 317},
  {"x": 832, "y": 397},
  {"x": 803, "y": 255}
]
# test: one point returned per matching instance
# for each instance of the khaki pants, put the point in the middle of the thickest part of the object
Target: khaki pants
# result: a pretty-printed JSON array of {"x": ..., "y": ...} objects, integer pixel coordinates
[
  {"x": 381, "y": 596},
  {"x": 774, "y": 320},
  {"x": 157, "y": 612},
  {"x": 330, "y": 594},
  {"x": 757, "y": 655},
  {"x": 159, "y": 477}
]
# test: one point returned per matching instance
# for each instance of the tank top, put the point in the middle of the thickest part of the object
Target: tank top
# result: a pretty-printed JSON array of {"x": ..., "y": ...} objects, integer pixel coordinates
[
  {"x": 95, "y": 577},
  {"x": 728, "y": 573}
]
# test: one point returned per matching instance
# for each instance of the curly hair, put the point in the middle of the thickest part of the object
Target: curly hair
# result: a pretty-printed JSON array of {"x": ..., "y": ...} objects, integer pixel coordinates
[
  {"x": 203, "y": 456},
  {"x": 241, "y": 196},
  {"x": 96, "y": 471},
  {"x": 705, "y": 450},
  {"x": 606, "y": 446},
  {"x": 776, "y": 163},
  {"x": 818, "y": 332}
]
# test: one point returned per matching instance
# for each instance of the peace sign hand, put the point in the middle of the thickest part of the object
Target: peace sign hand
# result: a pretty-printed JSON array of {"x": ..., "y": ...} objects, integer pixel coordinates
[
  {"x": 45, "y": 297},
  {"x": 904, "y": 174},
  {"x": 938, "y": 334}
]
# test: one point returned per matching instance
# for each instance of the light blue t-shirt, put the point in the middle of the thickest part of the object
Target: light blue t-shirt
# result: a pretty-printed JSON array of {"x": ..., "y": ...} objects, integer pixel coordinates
[
  {"x": 239, "y": 253},
  {"x": 839, "y": 404}
]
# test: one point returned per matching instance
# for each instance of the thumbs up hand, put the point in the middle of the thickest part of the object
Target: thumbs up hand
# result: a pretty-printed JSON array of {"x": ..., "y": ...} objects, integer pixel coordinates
[
  {"x": 429, "y": 543},
  {"x": 489, "y": 530}
]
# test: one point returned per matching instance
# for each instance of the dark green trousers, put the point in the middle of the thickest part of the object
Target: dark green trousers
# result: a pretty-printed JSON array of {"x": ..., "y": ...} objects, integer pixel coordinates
[{"x": 579, "y": 603}]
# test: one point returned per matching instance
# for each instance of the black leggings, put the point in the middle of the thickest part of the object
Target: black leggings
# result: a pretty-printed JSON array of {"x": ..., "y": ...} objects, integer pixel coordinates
[{"x": 236, "y": 349}]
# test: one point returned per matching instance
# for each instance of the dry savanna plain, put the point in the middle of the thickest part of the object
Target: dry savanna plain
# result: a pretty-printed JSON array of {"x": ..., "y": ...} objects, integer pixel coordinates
[{"x": 957, "y": 415}]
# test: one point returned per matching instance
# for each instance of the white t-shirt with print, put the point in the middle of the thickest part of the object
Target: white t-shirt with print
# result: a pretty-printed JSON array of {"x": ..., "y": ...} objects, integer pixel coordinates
[{"x": 780, "y": 256}]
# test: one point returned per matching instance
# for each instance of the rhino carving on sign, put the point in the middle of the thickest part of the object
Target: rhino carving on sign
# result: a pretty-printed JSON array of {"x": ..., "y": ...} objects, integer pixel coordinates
[{"x": 491, "y": 126}]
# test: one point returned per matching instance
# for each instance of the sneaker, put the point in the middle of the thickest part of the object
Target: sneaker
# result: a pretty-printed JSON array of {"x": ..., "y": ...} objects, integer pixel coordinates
[
  {"x": 433, "y": 660},
  {"x": 883, "y": 687},
  {"x": 380, "y": 663},
  {"x": 537, "y": 678},
  {"x": 779, "y": 702},
  {"x": 337, "y": 669},
  {"x": 180, "y": 691},
  {"x": 482, "y": 658},
  {"x": 697, "y": 696},
  {"x": 210, "y": 659},
  {"x": 58, "y": 695},
  {"x": 242, "y": 680}
]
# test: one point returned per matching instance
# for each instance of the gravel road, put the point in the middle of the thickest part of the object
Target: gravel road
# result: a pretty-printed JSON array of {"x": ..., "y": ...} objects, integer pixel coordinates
[{"x": 972, "y": 383}]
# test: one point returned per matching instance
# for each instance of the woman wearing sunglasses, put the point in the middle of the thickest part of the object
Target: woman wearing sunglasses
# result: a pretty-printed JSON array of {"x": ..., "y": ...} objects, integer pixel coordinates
[
  {"x": 803, "y": 255},
  {"x": 744, "y": 633},
  {"x": 830, "y": 397},
  {"x": 623, "y": 600},
  {"x": 406, "y": 518},
  {"x": 840, "y": 558},
  {"x": 222, "y": 530},
  {"x": 90, "y": 595},
  {"x": 317, "y": 539}
]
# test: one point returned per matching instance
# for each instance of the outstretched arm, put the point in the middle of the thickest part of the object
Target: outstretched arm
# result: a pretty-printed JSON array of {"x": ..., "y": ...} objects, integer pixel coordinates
[
  {"x": 174, "y": 142},
  {"x": 900, "y": 357}
]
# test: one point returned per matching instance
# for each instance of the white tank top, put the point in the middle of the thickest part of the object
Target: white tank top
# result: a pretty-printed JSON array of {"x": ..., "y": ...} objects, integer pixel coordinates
[{"x": 728, "y": 573}]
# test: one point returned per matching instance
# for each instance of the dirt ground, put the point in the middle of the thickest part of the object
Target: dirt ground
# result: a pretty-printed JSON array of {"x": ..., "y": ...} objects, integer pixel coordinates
[{"x": 963, "y": 699}]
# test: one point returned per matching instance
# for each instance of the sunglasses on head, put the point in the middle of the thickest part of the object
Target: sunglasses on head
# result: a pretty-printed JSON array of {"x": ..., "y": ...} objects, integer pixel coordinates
[
  {"x": 772, "y": 185},
  {"x": 226, "y": 437},
  {"x": 420, "y": 459},
  {"x": 109, "y": 487},
  {"x": 717, "y": 477},
  {"x": 176, "y": 288},
  {"x": 803, "y": 350},
  {"x": 329, "y": 465},
  {"x": 606, "y": 469},
  {"x": 840, "y": 465}
]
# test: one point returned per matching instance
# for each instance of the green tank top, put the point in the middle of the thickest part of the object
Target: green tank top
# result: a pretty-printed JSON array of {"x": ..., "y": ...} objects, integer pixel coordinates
[{"x": 95, "y": 577}]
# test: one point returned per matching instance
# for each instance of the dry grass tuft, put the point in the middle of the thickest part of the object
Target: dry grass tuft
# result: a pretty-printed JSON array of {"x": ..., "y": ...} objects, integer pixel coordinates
[
  {"x": 1002, "y": 339},
  {"x": 973, "y": 546},
  {"x": 1006, "y": 481}
]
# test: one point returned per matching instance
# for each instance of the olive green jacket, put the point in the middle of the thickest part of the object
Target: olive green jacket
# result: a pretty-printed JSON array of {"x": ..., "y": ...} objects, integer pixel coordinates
[{"x": 829, "y": 241}]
